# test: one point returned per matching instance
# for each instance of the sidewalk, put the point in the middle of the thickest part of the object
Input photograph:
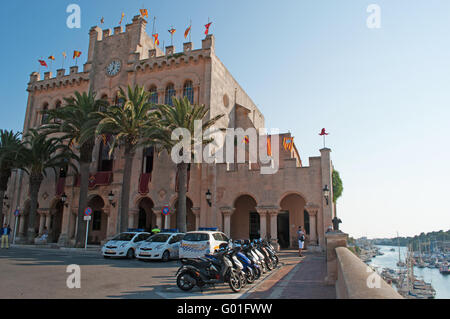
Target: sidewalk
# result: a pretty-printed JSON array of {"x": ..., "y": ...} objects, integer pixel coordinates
[
  {"x": 299, "y": 278},
  {"x": 91, "y": 250}
]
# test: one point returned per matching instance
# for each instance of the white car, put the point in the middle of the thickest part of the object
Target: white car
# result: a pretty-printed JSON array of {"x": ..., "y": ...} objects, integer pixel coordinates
[
  {"x": 199, "y": 243},
  {"x": 162, "y": 246},
  {"x": 124, "y": 244}
]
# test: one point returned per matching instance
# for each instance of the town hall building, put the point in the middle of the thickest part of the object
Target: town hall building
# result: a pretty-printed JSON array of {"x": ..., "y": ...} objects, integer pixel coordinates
[{"x": 243, "y": 202}]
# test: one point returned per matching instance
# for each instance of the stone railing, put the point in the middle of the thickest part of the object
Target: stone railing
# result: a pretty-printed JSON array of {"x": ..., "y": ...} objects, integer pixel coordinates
[{"x": 356, "y": 280}]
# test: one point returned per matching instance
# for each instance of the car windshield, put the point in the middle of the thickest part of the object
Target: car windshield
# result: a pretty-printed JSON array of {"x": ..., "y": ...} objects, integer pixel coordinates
[
  {"x": 196, "y": 237},
  {"x": 124, "y": 237},
  {"x": 159, "y": 238}
]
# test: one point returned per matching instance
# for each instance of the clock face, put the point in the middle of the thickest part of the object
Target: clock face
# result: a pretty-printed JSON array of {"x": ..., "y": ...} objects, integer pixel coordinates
[{"x": 113, "y": 68}]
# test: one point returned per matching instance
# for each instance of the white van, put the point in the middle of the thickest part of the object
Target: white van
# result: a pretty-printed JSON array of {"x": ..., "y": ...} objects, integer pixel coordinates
[{"x": 199, "y": 243}]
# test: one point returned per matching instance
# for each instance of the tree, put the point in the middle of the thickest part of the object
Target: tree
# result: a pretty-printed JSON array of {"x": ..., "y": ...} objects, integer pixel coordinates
[
  {"x": 38, "y": 154},
  {"x": 181, "y": 115},
  {"x": 338, "y": 188},
  {"x": 127, "y": 124},
  {"x": 77, "y": 122},
  {"x": 10, "y": 144}
]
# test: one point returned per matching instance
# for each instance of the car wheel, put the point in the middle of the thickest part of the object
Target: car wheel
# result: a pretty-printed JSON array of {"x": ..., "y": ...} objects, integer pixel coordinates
[
  {"x": 130, "y": 254},
  {"x": 166, "y": 256}
]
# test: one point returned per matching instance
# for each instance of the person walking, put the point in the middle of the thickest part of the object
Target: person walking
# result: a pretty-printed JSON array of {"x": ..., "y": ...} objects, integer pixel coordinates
[
  {"x": 5, "y": 231},
  {"x": 301, "y": 240}
]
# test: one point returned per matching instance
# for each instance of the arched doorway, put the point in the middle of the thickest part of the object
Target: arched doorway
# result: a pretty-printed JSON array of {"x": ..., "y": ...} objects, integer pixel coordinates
[
  {"x": 245, "y": 221},
  {"x": 146, "y": 218},
  {"x": 190, "y": 217},
  {"x": 99, "y": 221},
  {"x": 291, "y": 216}
]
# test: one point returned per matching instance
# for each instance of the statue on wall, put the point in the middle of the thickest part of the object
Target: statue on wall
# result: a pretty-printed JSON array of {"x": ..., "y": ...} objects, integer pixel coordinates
[{"x": 336, "y": 221}]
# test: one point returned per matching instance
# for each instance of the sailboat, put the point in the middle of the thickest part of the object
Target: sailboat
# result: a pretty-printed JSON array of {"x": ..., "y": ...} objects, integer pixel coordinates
[{"x": 400, "y": 263}]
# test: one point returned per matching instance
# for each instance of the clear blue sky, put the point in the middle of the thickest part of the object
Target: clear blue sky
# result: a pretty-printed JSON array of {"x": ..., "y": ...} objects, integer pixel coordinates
[{"x": 383, "y": 94}]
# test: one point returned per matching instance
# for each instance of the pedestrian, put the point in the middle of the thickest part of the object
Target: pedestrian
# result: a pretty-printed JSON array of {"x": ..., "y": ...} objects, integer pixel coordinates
[
  {"x": 301, "y": 240},
  {"x": 5, "y": 231},
  {"x": 156, "y": 230}
]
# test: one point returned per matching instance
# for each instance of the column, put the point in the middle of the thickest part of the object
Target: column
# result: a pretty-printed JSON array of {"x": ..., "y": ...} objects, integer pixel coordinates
[
  {"x": 41, "y": 223},
  {"x": 273, "y": 226},
  {"x": 196, "y": 212},
  {"x": 158, "y": 213},
  {"x": 48, "y": 219},
  {"x": 312, "y": 210},
  {"x": 263, "y": 222},
  {"x": 167, "y": 221},
  {"x": 227, "y": 212}
]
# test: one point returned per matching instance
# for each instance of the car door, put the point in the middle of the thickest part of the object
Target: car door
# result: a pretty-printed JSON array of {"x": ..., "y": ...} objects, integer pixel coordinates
[{"x": 174, "y": 244}]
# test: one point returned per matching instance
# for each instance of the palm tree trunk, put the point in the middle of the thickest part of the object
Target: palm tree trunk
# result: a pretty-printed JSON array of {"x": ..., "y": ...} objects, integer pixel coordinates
[
  {"x": 126, "y": 183},
  {"x": 82, "y": 204},
  {"x": 4, "y": 177},
  {"x": 2, "y": 194},
  {"x": 182, "y": 187},
  {"x": 35, "y": 185}
]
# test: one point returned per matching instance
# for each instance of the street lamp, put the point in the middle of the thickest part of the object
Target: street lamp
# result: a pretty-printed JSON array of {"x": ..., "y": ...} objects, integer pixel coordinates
[
  {"x": 208, "y": 197},
  {"x": 326, "y": 193},
  {"x": 64, "y": 200},
  {"x": 111, "y": 199}
]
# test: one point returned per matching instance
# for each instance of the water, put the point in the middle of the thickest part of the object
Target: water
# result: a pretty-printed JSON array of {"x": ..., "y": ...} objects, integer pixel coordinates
[{"x": 390, "y": 258}]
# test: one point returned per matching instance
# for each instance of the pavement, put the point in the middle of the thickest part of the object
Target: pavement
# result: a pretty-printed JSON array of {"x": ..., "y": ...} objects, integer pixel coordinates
[{"x": 41, "y": 272}]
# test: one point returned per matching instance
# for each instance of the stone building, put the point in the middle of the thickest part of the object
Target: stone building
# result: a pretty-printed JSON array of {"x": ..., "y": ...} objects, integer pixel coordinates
[{"x": 244, "y": 203}]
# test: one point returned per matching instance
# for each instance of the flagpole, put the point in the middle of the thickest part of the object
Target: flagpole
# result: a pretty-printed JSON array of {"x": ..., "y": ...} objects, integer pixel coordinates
[{"x": 190, "y": 31}]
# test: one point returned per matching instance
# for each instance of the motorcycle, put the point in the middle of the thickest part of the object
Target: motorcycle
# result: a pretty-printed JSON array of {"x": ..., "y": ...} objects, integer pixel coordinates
[
  {"x": 209, "y": 270},
  {"x": 248, "y": 266}
]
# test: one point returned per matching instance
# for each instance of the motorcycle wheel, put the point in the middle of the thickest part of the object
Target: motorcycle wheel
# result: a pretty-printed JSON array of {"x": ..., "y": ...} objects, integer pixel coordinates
[
  {"x": 183, "y": 281},
  {"x": 269, "y": 264},
  {"x": 257, "y": 273},
  {"x": 243, "y": 278},
  {"x": 251, "y": 277},
  {"x": 235, "y": 282}
]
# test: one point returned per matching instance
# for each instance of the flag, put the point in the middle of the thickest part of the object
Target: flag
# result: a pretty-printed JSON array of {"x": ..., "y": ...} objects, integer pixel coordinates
[
  {"x": 76, "y": 54},
  {"x": 172, "y": 31},
  {"x": 144, "y": 12},
  {"x": 323, "y": 132},
  {"x": 102, "y": 20},
  {"x": 207, "y": 28},
  {"x": 156, "y": 38},
  {"x": 186, "y": 33},
  {"x": 269, "y": 146},
  {"x": 51, "y": 58},
  {"x": 288, "y": 143},
  {"x": 246, "y": 140},
  {"x": 42, "y": 62},
  {"x": 121, "y": 19},
  {"x": 64, "y": 54}
]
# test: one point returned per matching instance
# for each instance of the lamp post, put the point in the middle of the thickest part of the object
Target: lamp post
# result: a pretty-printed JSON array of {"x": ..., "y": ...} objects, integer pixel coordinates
[
  {"x": 208, "y": 197},
  {"x": 326, "y": 193}
]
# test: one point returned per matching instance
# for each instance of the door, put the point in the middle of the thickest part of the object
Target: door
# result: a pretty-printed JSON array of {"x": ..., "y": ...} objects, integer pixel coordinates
[{"x": 283, "y": 229}]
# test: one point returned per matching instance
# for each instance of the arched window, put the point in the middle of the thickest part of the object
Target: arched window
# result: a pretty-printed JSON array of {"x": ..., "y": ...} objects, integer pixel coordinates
[
  {"x": 153, "y": 95},
  {"x": 57, "y": 106},
  {"x": 170, "y": 92},
  {"x": 45, "y": 116},
  {"x": 105, "y": 163},
  {"x": 188, "y": 91}
]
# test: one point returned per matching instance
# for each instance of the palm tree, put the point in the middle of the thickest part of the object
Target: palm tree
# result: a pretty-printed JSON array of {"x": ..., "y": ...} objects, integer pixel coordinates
[
  {"x": 9, "y": 146},
  {"x": 126, "y": 124},
  {"x": 77, "y": 122},
  {"x": 181, "y": 115},
  {"x": 38, "y": 154}
]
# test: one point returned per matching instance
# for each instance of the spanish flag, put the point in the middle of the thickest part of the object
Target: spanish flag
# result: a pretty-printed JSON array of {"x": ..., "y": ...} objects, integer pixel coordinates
[
  {"x": 207, "y": 28},
  {"x": 186, "y": 33},
  {"x": 288, "y": 143},
  {"x": 121, "y": 19},
  {"x": 144, "y": 12},
  {"x": 51, "y": 58},
  {"x": 156, "y": 38},
  {"x": 76, "y": 54}
]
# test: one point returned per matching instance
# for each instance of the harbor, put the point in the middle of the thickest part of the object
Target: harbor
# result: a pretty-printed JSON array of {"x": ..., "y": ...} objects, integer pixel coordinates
[{"x": 413, "y": 275}]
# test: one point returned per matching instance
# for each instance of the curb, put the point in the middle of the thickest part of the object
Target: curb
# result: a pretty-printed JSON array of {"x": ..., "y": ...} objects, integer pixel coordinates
[{"x": 59, "y": 249}]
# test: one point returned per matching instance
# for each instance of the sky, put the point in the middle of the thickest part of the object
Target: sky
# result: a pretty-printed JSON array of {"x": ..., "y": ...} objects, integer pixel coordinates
[{"x": 382, "y": 93}]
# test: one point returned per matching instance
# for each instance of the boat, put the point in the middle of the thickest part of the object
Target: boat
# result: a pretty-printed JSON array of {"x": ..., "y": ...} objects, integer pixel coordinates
[
  {"x": 392, "y": 249},
  {"x": 444, "y": 269}
]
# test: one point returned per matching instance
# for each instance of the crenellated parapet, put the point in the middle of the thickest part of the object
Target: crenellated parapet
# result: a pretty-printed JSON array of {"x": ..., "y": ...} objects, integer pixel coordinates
[{"x": 74, "y": 78}]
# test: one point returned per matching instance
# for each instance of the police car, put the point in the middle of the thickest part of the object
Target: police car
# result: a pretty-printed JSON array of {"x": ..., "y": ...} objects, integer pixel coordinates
[
  {"x": 163, "y": 246},
  {"x": 199, "y": 243},
  {"x": 124, "y": 244}
]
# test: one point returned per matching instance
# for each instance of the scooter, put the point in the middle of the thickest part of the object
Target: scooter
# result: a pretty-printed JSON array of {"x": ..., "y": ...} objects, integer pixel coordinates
[
  {"x": 248, "y": 267},
  {"x": 211, "y": 269},
  {"x": 265, "y": 255}
]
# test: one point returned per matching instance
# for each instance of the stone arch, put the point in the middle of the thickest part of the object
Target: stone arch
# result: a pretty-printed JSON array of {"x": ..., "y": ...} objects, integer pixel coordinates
[
  {"x": 56, "y": 219},
  {"x": 145, "y": 218},
  {"x": 245, "y": 222},
  {"x": 98, "y": 225},
  {"x": 291, "y": 216}
]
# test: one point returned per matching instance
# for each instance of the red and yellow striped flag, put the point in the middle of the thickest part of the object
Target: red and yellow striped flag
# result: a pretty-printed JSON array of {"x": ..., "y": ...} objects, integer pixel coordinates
[
  {"x": 269, "y": 146},
  {"x": 156, "y": 38},
  {"x": 51, "y": 58},
  {"x": 76, "y": 54},
  {"x": 288, "y": 143},
  {"x": 186, "y": 33},
  {"x": 121, "y": 19},
  {"x": 144, "y": 12}
]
